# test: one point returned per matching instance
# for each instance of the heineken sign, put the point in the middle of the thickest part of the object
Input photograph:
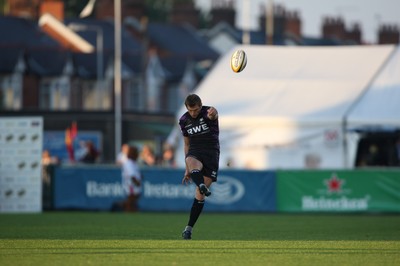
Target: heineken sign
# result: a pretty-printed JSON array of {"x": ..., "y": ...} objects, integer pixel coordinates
[
  {"x": 334, "y": 196},
  {"x": 338, "y": 191}
]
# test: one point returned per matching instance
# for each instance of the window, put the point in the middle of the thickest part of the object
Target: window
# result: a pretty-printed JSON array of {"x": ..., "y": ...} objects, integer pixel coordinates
[
  {"x": 132, "y": 94},
  {"x": 11, "y": 91},
  {"x": 89, "y": 97},
  {"x": 55, "y": 93}
]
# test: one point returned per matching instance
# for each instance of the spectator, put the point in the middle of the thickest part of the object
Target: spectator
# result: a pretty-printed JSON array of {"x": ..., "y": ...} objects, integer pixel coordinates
[
  {"x": 147, "y": 156},
  {"x": 48, "y": 162},
  {"x": 168, "y": 157},
  {"x": 372, "y": 157},
  {"x": 312, "y": 161},
  {"x": 131, "y": 182},
  {"x": 123, "y": 154},
  {"x": 81, "y": 151},
  {"x": 91, "y": 155}
]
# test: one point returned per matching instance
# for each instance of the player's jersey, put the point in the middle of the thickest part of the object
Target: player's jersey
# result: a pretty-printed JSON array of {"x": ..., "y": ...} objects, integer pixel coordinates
[{"x": 203, "y": 133}]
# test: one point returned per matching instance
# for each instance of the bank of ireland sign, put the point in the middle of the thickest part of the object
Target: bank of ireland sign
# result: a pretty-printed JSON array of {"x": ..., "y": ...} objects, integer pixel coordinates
[{"x": 234, "y": 191}]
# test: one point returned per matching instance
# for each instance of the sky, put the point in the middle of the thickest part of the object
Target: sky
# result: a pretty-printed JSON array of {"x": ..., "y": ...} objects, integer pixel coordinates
[{"x": 369, "y": 14}]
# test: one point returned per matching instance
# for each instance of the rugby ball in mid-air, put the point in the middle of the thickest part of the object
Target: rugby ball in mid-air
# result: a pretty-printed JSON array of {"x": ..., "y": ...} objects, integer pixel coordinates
[{"x": 238, "y": 61}]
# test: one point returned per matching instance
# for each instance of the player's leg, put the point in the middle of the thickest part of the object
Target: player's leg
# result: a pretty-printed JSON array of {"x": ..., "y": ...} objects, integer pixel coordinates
[
  {"x": 208, "y": 181},
  {"x": 196, "y": 210},
  {"x": 210, "y": 170},
  {"x": 210, "y": 162},
  {"x": 195, "y": 166},
  {"x": 198, "y": 203},
  {"x": 204, "y": 189}
]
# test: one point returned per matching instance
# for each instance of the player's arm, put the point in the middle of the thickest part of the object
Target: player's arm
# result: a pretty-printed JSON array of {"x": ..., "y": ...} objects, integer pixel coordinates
[
  {"x": 185, "y": 145},
  {"x": 212, "y": 113},
  {"x": 186, "y": 177}
]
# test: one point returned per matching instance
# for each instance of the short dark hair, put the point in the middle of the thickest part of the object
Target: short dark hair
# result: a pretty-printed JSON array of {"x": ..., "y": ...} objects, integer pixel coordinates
[
  {"x": 133, "y": 153},
  {"x": 193, "y": 100}
]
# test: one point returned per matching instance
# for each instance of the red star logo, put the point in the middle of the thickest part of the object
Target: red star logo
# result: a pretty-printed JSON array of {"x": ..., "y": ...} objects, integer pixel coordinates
[{"x": 334, "y": 184}]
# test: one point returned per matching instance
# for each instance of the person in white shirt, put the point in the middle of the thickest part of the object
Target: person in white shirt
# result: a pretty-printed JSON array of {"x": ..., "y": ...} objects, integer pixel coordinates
[
  {"x": 122, "y": 154},
  {"x": 131, "y": 181}
]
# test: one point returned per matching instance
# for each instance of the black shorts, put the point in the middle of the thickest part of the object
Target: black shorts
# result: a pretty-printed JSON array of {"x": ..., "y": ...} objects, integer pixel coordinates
[{"x": 210, "y": 160}]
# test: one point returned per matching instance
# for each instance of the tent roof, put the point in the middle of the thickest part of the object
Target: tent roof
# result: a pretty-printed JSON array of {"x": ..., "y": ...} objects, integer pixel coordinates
[
  {"x": 292, "y": 101},
  {"x": 380, "y": 105},
  {"x": 301, "y": 85}
]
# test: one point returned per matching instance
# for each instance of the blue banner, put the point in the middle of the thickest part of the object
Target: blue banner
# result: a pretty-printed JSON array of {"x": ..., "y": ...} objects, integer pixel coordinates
[
  {"x": 98, "y": 187},
  {"x": 87, "y": 188},
  {"x": 235, "y": 191},
  {"x": 54, "y": 142}
]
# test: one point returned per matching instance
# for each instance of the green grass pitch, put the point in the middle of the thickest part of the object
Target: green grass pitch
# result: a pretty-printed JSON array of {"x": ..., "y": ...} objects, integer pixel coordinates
[{"x": 100, "y": 238}]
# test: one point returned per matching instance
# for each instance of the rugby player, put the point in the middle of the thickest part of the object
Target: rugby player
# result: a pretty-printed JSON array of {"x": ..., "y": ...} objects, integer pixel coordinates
[{"x": 200, "y": 130}]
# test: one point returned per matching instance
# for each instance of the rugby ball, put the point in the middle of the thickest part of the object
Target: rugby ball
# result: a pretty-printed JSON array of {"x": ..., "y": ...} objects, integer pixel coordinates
[{"x": 238, "y": 61}]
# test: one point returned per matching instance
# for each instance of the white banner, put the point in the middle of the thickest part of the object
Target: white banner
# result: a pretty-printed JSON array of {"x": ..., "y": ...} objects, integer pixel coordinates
[{"x": 21, "y": 140}]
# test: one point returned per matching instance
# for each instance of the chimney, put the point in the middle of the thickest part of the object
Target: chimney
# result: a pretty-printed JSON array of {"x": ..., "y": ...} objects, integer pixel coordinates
[
  {"x": 279, "y": 20},
  {"x": 104, "y": 9},
  {"x": 185, "y": 12},
  {"x": 293, "y": 24},
  {"x": 223, "y": 10},
  {"x": 34, "y": 9},
  {"x": 24, "y": 8},
  {"x": 388, "y": 34},
  {"x": 354, "y": 34},
  {"x": 55, "y": 8},
  {"x": 333, "y": 28}
]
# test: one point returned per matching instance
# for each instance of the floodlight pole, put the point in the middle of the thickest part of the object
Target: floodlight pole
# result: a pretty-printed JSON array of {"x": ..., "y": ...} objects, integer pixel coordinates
[
  {"x": 269, "y": 22},
  {"x": 246, "y": 22},
  {"x": 117, "y": 75}
]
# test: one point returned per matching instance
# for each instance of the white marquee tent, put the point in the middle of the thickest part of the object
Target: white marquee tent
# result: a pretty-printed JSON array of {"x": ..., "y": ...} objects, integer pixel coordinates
[
  {"x": 292, "y": 106},
  {"x": 379, "y": 106}
]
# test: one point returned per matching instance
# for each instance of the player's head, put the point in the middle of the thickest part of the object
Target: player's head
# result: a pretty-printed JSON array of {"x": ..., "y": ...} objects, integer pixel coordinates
[{"x": 193, "y": 105}]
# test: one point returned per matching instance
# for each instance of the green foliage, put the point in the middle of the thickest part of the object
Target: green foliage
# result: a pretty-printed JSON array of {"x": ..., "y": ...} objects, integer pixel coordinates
[
  {"x": 3, "y": 4},
  {"x": 158, "y": 10},
  {"x": 74, "y": 7},
  {"x": 81, "y": 238}
]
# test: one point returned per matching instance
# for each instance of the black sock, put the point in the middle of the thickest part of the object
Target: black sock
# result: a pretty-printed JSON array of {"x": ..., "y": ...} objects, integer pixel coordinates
[
  {"x": 197, "y": 177},
  {"x": 197, "y": 207}
]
